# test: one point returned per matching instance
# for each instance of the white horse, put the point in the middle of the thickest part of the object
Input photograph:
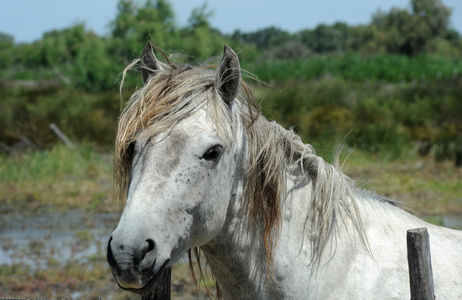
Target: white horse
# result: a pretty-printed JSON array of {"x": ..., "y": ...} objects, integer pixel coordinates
[{"x": 199, "y": 167}]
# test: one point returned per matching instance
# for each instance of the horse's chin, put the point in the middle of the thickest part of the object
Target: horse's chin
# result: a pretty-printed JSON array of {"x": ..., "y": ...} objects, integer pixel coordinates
[{"x": 153, "y": 280}]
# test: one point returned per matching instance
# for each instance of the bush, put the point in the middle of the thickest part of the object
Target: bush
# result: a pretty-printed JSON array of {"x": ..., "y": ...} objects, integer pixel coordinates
[
  {"x": 385, "y": 119},
  {"x": 81, "y": 116}
]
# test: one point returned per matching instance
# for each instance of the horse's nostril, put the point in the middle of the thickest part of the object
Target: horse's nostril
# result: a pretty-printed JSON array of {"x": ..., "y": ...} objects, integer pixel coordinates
[
  {"x": 144, "y": 259},
  {"x": 150, "y": 246},
  {"x": 110, "y": 256}
]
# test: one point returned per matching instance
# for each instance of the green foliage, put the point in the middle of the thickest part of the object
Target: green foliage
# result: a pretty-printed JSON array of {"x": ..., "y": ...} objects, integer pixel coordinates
[
  {"x": 379, "y": 118},
  {"x": 81, "y": 116},
  {"x": 420, "y": 29},
  {"x": 199, "y": 40},
  {"x": 264, "y": 39},
  {"x": 326, "y": 38},
  {"x": 75, "y": 56},
  {"x": 81, "y": 59},
  {"x": 200, "y": 17},
  {"x": 390, "y": 82},
  {"x": 135, "y": 25},
  {"x": 287, "y": 51},
  {"x": 6, "y": 41},
  {"x": 409, "y": 32},
  {"x": 360, "y": 68}
]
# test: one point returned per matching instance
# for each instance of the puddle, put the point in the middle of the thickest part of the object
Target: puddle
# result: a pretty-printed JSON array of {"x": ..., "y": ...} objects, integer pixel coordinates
[{"x": 55, "y": 238}]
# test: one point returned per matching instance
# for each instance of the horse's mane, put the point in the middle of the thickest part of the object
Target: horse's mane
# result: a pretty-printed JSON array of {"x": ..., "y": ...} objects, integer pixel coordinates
[
  {"x": 176, "y": 92},
  {"x": 274, "y": 152}
]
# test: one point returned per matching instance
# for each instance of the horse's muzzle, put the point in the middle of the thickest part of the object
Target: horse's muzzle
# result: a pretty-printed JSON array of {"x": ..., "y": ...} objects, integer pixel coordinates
[{"x": 135, "y": 266}]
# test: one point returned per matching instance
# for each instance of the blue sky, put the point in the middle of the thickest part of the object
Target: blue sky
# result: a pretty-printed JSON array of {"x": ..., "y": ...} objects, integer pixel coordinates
[{"x": 27, "y": 20}]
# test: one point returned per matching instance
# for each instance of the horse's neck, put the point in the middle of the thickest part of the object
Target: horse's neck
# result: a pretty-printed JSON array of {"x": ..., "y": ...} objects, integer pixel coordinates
[
  {"x": 238, "y": 260},
  {"x": 237, "y": 256}
]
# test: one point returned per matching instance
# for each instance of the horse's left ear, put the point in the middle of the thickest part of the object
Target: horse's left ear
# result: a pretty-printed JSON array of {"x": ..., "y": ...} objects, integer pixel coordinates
[
  {"x": 228, "y": 76},
  {"x": 149, "y": 63}
]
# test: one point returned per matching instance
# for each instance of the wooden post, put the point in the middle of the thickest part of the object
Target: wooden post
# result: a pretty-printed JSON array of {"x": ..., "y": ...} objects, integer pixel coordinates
[
  {"x": 162, "y": 291},
  {"x": 62, "y": 136},
  {"x": 420, "y": 266}
]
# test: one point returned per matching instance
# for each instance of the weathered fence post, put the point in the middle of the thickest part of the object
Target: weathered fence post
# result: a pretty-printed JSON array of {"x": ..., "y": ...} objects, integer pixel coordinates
[
  {"x": 162, "y": 291},
  {"x": 420, "y": 266},
  {"x": 62, "y": 136}
]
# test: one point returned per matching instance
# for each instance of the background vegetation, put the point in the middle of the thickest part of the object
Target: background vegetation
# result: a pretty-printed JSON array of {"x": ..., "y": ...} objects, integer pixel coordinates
[{"x": 393, "y": 83}]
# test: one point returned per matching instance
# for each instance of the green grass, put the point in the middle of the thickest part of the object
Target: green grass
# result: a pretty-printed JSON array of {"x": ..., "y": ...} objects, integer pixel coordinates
[
  {"x": 47, "y": 165},
  {"x": 424, "y": 186},
  {"x": 61, "y": 177}
]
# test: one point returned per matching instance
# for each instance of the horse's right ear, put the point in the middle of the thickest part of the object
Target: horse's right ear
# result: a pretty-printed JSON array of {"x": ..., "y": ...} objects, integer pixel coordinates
[{"x": 149, "y": 63}]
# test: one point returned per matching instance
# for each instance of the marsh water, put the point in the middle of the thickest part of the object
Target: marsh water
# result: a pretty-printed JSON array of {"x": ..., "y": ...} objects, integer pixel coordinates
[{"x": 56, "y": 237}]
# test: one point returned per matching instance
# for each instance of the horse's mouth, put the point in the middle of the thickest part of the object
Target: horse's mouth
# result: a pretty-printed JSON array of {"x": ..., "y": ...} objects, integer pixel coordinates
[{"x": 152, "y": 284}]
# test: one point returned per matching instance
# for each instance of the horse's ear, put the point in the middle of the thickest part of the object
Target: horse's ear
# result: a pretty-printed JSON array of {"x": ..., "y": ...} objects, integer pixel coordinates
[
  {"x": 149, "y": 63},
  {"x": 228, "y": 76}
]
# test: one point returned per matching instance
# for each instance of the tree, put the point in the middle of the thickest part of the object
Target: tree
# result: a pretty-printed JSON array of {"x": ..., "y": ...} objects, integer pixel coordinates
[
  {"x": 125, "y": 21},
  {"x": 6, "y": 41},
  {"x": 199, "y": 39},
  {"x": 6, "y": 50},
  {"x": 409, "y": 32},
  {"x": 77, "y": 56},
  {"x": 200, "y": 17},
  {"x": 135, "y": 25},
  {"x": 327, "y": 38},
  {"x": 264, "y": 39}
]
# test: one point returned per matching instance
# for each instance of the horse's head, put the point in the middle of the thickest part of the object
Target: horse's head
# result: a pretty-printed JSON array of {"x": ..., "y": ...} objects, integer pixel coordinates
[{"x": 175, "y": 161}]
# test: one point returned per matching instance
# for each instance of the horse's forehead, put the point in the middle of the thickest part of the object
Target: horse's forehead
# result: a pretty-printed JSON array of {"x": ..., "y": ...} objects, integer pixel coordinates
[
  {"x": 168, "y": 149},
  {"x": 164, "y": 151},
  {"x": 171, "y": 142},
  {"x": 185, "y": 134}
]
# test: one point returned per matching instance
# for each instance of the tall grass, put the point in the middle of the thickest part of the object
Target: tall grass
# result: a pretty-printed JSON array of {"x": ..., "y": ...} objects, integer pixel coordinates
[
  {"x": 59, "y": 177},
  {"x": 359, "y": 68},
  {"x": 49, "y": 165}
]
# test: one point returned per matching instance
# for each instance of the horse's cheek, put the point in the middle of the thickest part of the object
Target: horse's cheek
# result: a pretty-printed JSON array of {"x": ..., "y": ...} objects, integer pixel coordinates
[{"x": 210, "y": 215}]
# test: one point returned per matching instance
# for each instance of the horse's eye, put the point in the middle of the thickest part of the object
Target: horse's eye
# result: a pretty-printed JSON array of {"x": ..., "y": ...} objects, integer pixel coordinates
[{"x": 213, "y": 153}]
